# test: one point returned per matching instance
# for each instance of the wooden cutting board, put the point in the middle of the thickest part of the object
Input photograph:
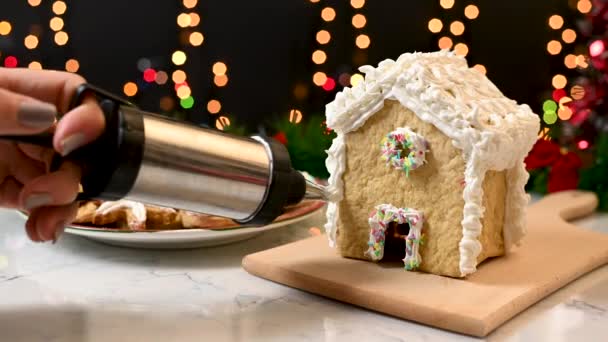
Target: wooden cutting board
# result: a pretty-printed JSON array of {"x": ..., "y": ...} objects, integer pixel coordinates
[{"x": 553, "y": 254}]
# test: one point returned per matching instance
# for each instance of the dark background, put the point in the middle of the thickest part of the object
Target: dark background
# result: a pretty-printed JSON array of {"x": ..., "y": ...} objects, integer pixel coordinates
[{"x": 267, "y": 46}]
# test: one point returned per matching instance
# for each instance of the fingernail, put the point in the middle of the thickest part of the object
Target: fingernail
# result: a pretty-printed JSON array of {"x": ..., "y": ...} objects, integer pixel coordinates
[
  {"x": 37, "y": 200},
  {"x": 36, "y": 114},
  {"x": 59, "y": 230},
  {"x": 71, "y": 143}
]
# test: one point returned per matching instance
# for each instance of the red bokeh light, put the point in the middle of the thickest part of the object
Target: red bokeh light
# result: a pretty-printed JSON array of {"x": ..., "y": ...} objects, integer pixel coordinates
[
  {"x": 558, "y": 94},
  {"x": 330, "y": 84},
  {"x": 149, "y": 75},
  {"x": 583, "y": 144},
  {"x": 10, "y": 62}
]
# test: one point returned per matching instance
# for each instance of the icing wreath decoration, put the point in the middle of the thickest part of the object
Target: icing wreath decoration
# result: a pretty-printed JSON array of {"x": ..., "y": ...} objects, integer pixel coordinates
[
  {"x": 379, "y": 221},
  {"x": 404, "y": 149}
]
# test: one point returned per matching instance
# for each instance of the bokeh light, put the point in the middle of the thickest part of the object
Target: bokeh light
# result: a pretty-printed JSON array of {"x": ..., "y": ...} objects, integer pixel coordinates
[
  {"x": 149, "y": 75},
  {"x": 362, "y": 41},
  {"x": 187, "y": 103},
  {"x": 190, "y": 3},
  {"x": 219, "y": 68},
  {"x": 56, "y": 24},
  {"x": 328, "y": 14},
  {"x": 35, "y": 65},
  {"x": 330, "y": 84},
  {"x": 295, "y": 116},
  {"x": 161, "y": 78},
  {"x": 323, "y": 37},
  {"x": 130, "y": 89},
  {"x": 59, "y": 7},
  {"x": 72, "y": 65},
  {"x": 319, "y": 57},
  {"x": 597, "y": 48},
  {"x": 11, "y": 62},
  {"x": 30, "y": 42},
  {"x": 179, "y": 58},
  {"x": 356, "y": 79},
  {"x": 570, "y": 61},
  {"x": 61, "y": 38},
  {"x": 471, "y": 12},
  {"x": 577, "y": 92},
  {"x": 584, "y": 6},
  {"x": 319, "y": 78},
  {"x": 447, "y": 4},
  {"x": 196, "y": 38},
  {"x": 583, "y": 144},
  {"x": 556, "y": 22},
  {"x": 435, "y": 25},
  {"x": 581, "y": 61},
  {"x": 183, "y": 92},
  {"x": 461, "y": 49},
  {"x": 559, "y": 81},
  {"x": 178, "y": 76},
  {"x": 357, "y": 3},
  {"x": 569, "y": 36},
  {"x": 222, "y": 123},
  {"x": 457, "y": 28},
  {"x": 34, "y": 3},
  {"x": 564, "y": 113},
  {"x": 195, "y": 19},
  {"x": 5, "y": 28},
  {"x": 481, "y": 68},
  {"x": 554, "y": 47},
  {"x": 167, "y": 103},
  {"x": 445, "y": 43},
  {"x": 359, "y": 21},
  {"x": 214, "y": 106},
  {"x": 183, "y": 20},
  {"x": 220, "y": 80}
]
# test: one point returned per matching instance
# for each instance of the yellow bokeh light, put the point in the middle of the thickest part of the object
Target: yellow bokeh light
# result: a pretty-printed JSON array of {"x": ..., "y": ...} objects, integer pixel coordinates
[
  {"x": 570, "y": 61},
  {"x": 130, "y": 89},
  {"x": 30, "y": 42},
  {"x": 179, "y": 58},
  {"x": 554, "y": 47},
  {"x": 356, "y": 79},
  {"x": 323, "y": 37},
  {"x": 195, "y": 19},
  {"x": 319, "y": 78},
  {"x": 219, "y": 68},
  {"x": 559, "y": 81},
  {"x": 183, "y": 20},
  {"x": 314, "y": 1},
  {"x": 577, "y": 92},
  {"x": 362, "y": 41},
  {"x": 581, "y": 61},
  {"x": 34, "y": 3},
  {"x": 447, "y": 4},
  {"x": 183, "y": 92},
  {"x": 56, "y": 24},
  {"x": 214, "y": 106},
  {"x": 471, "y": 12},
  {"x": 61, "y": 38},
  {"x": 584, "y": 6},
  {"x": 196, "y": 38},
  {"x": 457, "y": 28},
  {"x": 178, "y": 76},
  {"x": 556, "y": 22},
  {"x": 359, "y": 21},
  {"x": 59, "y": 7},
  {"x": 72, "y": 65},
  {"x": 190, "y": 3},
  {"x": 319, "y": 57},
  {"x": 35, "y": 65},
  {"x": 564, "y": 113},
  {"x": 220, "y": 80},
  {"x": 222, "y": 122},
  {"x": 357, "y": 3},
  {"x": 569, "y": 36},
  {"x": 328, "y": 14},
  {"x": 445, "y": 43},
  {"x": 295, "y": 116},
  {"x": 435, "y": 25},
  {"x": 480, "y": 68},
  {"x": 5, "y": 28},
  {"x": 461, "y": 49}
]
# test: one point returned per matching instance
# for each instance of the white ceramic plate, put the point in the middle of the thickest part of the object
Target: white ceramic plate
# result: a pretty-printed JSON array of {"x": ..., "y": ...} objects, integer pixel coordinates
[{"x": 182, "y": 238}]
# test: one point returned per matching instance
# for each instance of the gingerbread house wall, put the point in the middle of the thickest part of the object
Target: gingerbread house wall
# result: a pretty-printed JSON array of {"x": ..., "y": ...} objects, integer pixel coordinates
[{"x": 435, "y": 189}]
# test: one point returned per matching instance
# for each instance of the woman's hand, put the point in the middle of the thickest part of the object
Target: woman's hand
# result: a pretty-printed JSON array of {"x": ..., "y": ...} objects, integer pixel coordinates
[{"x": 29, "y": 102}]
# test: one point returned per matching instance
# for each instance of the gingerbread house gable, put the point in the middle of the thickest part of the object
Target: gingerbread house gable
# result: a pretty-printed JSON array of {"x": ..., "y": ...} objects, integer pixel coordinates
[{"x": 493, "y": 132}]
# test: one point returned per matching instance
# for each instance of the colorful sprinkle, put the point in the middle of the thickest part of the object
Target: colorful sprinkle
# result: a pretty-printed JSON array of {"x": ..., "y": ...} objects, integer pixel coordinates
[
  {"x": 378, "y": 221},
  {"x": 398, "y": 142}
]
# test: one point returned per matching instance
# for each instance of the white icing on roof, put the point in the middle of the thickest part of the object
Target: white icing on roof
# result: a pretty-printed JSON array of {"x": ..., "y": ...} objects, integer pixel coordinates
[{"x": 494, "y": 132}]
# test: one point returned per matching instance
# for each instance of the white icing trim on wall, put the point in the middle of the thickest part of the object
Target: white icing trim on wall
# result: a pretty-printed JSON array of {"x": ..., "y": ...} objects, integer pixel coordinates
[{"x": 494, "y": 133}]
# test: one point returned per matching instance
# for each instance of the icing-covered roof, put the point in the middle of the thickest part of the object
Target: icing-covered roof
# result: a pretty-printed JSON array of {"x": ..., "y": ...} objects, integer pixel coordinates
[{"x": 494, "y": 132}]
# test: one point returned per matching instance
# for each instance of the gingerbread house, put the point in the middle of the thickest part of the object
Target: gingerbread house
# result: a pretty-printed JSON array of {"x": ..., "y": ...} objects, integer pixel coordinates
[{"x": 427, "y": 165}]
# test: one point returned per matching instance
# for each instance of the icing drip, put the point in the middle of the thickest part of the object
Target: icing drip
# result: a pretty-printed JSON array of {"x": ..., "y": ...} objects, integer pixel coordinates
[
  {"x": 493, "y": 132},
  {"x": 379, "y": 220},
  {"x": 138, "y": 210}
]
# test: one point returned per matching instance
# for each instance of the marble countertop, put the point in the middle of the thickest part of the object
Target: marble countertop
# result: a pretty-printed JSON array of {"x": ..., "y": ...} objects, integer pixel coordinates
[{"x": 79, "y": 290}]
